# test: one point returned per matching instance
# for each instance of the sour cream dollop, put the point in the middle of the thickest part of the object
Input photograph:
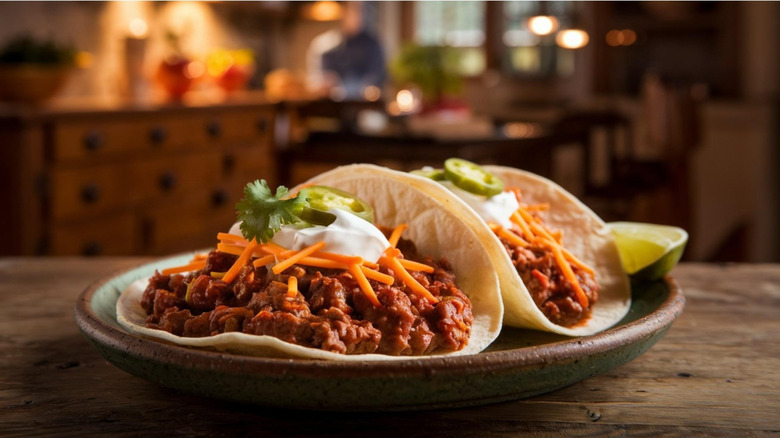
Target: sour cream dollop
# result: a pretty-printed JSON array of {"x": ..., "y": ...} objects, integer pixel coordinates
[
  {"x": 348, "y": 235},
  {"x": 497, "y": 208}
]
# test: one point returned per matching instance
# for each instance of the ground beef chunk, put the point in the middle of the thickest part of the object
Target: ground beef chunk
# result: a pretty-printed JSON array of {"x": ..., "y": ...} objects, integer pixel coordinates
[
  {"x": 393, "y": 317},
  {"x": 218, "y": 261},
  {"x": 550, "y": 290},
  {"x": 326, "y": 293},
  {"x": 329, "y": 311},
  {"x": 173, "y": 320}
]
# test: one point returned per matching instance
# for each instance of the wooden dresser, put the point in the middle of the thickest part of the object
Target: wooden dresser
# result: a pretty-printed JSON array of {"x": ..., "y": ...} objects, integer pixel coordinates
[{"x": 120, "y": 181}]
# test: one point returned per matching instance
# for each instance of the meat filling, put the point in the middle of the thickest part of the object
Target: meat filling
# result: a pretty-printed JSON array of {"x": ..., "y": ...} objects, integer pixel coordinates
[
  {"x": 330, "y": 311},
  {"x": 550, "y": 290}
]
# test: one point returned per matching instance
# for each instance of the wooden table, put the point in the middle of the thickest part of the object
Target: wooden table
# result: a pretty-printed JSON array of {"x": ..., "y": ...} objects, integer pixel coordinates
[{"x": 716, "y": 373}]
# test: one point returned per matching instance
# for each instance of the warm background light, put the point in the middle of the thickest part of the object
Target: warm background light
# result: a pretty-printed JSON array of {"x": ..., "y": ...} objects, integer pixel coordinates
[
  {"x": 372, "y": 93},
  {"x": 572, "y": 38},
  {"x": 138, "y": 27},
  {"x": 324, "y": 11},
  {"x": 405, "y": 100},
  {"x": 543, "y": 24},
  {"x": 617, "y": 37}
]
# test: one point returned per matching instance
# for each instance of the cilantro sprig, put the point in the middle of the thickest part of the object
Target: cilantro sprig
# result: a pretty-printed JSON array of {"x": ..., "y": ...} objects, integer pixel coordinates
[{"x": 263, "y": 213}]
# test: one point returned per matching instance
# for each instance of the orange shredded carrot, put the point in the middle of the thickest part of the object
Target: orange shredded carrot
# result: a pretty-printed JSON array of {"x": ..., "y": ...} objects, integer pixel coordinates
[
  {"x": 399, "y": 270},
  {"x": 357, "y": 273},
  {"x": 541, "y": 231},
  {"x": 416, "y": 266},
  {"x": 193, "y": 266},
  {"x": 378, "y": 276},
  {"x": 569, "y": 274},
  {"x": 309, "y": 250},
  {"x": 198, "y": 257},
  {"x": 292, "y": 286},
  {"x": 577, "y": 262},
  {"x": 371, "y": 265},
  {"x": 232, "y": 238},
  {"x": 344, "y": 259},
  {"x": 511, "y": 237},
  {"x": 523, "y": 224},
  {"x": 271, "y": 248},
  {"x": 396, "y": 234},
  {"x": 264, "y": 260},
  {"x": 537, "y": 207},
  {"x": 240, "y": 262},
  {"x": 230, "y": 249},
  {"x": 318, "y": 262}
]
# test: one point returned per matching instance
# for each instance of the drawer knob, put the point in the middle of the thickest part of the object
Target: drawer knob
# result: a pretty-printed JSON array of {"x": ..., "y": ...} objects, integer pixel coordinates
[
  {"x": 90, "y": 193},
  {"x": 228, "y": 163},
  {"x": 219, "y": 198},
  {"x": 92, "y": 249},
  {"x": 214, "y": 129},
  {"x": 168, "y": 181},
  {"x": 158, "y": 135},
  {"x": 94, "y": 140},
  {"x": 261, "y": 125}
]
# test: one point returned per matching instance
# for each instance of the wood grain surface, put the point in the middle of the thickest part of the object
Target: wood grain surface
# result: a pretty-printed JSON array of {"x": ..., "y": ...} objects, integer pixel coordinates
[{"x": 716, "y": 373}]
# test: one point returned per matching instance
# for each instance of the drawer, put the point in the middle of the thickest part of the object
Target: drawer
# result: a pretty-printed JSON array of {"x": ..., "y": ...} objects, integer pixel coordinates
[
  {"x": 256, "y": 161},
  {"x": 192, "y": 223},
  {"x": 239, "y": 126},
  {"x": 172, "y": 178},
  {"x": 85, "y": 140},
  {"x": 110, "y": 235},
  {"x": 86, "y": 191},
  {"x": 104, "y": 137},
  {"x": 175, "y": 132}
]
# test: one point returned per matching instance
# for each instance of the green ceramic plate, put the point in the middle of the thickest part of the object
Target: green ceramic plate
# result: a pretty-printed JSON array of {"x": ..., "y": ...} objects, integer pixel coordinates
[{"x": 521, "y": 363}]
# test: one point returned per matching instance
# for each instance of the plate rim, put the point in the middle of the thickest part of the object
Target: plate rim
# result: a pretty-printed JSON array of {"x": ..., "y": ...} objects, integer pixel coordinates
[{"x": 99, "y": 331}]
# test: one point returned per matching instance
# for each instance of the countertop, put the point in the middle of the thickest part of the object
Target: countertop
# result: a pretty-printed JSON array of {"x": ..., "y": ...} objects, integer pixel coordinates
[{"x": 715, "y": 373}]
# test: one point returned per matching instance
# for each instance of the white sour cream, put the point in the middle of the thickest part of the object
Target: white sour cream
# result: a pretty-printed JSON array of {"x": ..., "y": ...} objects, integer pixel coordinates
[
  {"x": 347, "y": 235},
  {"x": 497, "y": 209}
]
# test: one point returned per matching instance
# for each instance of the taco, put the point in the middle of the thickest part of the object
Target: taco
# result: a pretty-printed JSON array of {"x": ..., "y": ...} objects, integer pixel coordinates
[
  {"x": 310, "y": 275},
  {"x": 557, "y": 261}
]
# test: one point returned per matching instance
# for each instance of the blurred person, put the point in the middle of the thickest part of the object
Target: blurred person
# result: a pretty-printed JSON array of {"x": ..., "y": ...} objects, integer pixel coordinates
[{"x": 349, "y": 60}]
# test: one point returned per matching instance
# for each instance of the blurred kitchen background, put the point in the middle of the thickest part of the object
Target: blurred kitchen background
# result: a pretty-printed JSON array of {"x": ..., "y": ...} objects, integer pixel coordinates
[{"x": 131, "y": 127}]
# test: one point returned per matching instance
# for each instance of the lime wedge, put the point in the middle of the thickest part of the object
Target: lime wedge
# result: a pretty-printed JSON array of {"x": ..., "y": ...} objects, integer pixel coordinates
[{"x": 648, "y": 251}]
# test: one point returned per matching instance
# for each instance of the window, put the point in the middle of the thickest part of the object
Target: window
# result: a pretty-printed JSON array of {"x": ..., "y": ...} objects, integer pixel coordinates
[
  {"x": 460, "y": 25},
  {"x": 526, "y": 53}
]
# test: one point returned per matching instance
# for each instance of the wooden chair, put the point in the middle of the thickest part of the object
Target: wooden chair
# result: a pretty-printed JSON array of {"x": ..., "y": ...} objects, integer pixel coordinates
[{"x": 637, "y": 189}]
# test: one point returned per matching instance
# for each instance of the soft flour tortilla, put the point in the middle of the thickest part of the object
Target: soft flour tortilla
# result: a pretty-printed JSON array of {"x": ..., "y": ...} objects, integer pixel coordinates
[
  {"x": 435, "y": 228},
  {"x": 584, "y": 234}
]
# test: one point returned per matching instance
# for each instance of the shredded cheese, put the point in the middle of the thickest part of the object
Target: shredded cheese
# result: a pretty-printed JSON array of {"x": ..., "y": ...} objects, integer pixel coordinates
[
  {"x": 391, "y": 261},
  {"x": 193, "y": 266},
  {"x": 264, "y": 260},
  {"x": 395, "y": 236},
  {"x": 532, "y": 230},
  {"x": 281, "y": 266},
  {"x": 292, "y": 286},
  {"x": 240, "y": 262},
  {"x": 416, "y": 266},
  {"x": 362, "y": 281}
]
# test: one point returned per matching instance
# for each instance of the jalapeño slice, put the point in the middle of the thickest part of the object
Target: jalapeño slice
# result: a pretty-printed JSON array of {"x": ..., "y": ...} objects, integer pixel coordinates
[
  {"x": 434, "y": 174},
  {"x": 472, "y": 178},
  {"x": 320, "y": 199}
]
